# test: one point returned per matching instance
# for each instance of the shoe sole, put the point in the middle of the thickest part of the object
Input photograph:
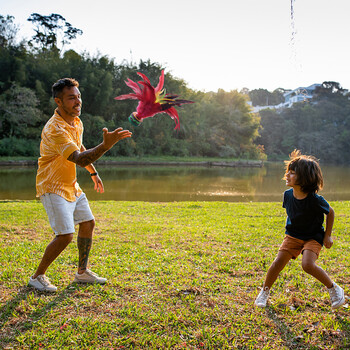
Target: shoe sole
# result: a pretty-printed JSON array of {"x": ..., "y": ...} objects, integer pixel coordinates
[
  {"x": 260, "y": 305},
  {"x": 339, "y": 304},
  {"x": 88, "y": 282},
  {"x": 43, "y": 289}
]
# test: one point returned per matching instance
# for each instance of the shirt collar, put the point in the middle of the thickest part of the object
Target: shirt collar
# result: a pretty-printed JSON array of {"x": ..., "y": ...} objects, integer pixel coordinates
[{"x": 62, "y": 122}]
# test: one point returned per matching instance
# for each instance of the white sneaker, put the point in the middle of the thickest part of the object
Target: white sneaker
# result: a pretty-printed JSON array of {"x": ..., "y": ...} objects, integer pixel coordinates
[
  {"x": 89, "y": 277},
  {"x": 337, "y": 296},
  {"x": 261, "y": 300},
  {"x": 42, "y": 283}
]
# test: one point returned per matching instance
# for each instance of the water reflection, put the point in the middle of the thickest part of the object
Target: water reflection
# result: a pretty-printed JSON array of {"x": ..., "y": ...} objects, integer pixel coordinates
[{"x": 169, "y": 183}]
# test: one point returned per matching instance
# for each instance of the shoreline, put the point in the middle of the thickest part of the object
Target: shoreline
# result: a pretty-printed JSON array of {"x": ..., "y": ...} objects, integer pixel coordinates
[{"x": 237, "y": 163}]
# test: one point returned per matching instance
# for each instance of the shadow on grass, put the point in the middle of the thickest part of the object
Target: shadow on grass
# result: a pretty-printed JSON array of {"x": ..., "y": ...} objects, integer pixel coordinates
[
  {"x": 18, "y": 325},
  {"x": 7, "y": 310},
  {"x": 345, "y": 323},
  {"x": 291, "y": 340}
]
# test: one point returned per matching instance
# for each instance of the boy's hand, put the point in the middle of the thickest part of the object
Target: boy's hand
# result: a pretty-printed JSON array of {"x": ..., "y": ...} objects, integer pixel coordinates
[{"x": 328, "y": 241}]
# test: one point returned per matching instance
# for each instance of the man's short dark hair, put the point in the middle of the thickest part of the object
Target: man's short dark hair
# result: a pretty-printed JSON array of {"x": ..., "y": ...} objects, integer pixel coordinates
[{"x": 60, "y": 84}]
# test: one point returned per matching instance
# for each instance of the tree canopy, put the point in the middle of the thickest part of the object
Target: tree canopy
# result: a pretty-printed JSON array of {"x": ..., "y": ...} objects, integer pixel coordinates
[
  {"x": 51, "y": 29},
  {"x": 218, "y": 124},
  {"x": 320, "y": 127}
]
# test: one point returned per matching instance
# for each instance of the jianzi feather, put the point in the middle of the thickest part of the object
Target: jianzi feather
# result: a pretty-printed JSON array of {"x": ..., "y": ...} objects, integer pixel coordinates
[{"x": 152, "y": 100}]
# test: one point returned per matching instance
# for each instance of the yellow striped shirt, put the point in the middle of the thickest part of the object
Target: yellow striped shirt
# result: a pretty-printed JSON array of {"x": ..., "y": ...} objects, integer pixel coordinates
[{"x": 55, "y": 173}]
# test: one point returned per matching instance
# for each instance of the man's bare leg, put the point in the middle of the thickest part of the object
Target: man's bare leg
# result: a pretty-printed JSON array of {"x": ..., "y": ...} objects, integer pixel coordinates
[
  {"x": 52, "y": 251},
  {"x": 84, "y": 241}
]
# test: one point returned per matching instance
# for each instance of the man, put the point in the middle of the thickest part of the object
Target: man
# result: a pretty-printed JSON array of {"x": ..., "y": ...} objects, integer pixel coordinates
[{"x": 61, "y": 149}]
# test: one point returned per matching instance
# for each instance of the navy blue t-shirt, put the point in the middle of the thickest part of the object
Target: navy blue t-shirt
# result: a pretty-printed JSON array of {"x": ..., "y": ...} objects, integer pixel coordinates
[{"x": 305, "y": 216}]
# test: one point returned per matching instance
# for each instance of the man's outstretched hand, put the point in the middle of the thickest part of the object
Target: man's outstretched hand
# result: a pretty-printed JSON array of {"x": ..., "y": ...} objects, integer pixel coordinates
[
  {"x": 110, "y": 138},
  {"x": 89, "y": 156}
]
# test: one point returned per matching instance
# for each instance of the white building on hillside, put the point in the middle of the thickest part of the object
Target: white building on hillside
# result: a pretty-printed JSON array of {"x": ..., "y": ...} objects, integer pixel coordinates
[{"x": 301, "y": 94}]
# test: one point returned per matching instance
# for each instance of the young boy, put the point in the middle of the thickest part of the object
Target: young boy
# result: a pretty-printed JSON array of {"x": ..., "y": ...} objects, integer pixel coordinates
[{"x": 304, "y": 228}]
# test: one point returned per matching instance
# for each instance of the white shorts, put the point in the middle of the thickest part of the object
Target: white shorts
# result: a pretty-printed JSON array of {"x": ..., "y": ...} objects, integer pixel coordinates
[{"x": 64, "y": 215}]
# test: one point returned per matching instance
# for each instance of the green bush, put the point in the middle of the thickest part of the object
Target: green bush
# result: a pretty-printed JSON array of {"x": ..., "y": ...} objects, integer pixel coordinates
[{"x": 12, "y": 146}]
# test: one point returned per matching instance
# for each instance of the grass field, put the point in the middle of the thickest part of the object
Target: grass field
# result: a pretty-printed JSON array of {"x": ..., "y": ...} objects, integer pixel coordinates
[{"x": 181, "y": 275}]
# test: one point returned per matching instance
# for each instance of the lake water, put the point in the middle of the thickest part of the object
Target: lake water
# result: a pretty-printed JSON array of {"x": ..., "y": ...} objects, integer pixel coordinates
[{"x": 180, "y": 183}]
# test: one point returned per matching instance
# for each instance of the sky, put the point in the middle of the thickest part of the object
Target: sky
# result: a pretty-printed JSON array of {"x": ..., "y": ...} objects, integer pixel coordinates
[{"x": 211, "y": 44}]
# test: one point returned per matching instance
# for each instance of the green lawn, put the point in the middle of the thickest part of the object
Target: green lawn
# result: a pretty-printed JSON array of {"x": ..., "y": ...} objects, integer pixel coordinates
[{"x": 181, "y": 275}]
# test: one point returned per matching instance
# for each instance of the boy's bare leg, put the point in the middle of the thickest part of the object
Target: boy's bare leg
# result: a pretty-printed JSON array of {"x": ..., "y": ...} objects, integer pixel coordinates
[
  {"x": 310, "y": 267},
  {"x": 276, "y": 267},
  {"x": 52, "y": 251}
]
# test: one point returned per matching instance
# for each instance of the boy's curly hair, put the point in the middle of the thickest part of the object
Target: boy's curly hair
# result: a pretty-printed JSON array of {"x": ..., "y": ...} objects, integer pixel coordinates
[{"x": 308, "y": 171}]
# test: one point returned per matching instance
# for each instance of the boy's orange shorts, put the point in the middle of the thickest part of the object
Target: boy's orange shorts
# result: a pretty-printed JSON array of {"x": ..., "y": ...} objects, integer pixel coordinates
[{"x": 295, "y": 246}]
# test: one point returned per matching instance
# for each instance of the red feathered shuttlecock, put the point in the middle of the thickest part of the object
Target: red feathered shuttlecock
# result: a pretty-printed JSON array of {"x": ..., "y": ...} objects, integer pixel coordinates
[{"x": 152, "y": 100}]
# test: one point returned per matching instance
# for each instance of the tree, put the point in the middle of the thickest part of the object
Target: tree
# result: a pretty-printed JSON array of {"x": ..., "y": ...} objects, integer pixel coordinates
[
  {"x": 52, "y": 29},
  {"x": 320, "y": 129},
  {"x": 278, "y": 96},
  {"x": 329, "y": 89},
  {"x": 12, "y": 55},
  {"x": 18, "y": 113},
  {"x": 263, "y": 97},
  {"x": 20, "y": 122},
  {"x": 227, "y": 125},
  {"x": 8, "y": 31},
  {"x": 218, "y": 124}
]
